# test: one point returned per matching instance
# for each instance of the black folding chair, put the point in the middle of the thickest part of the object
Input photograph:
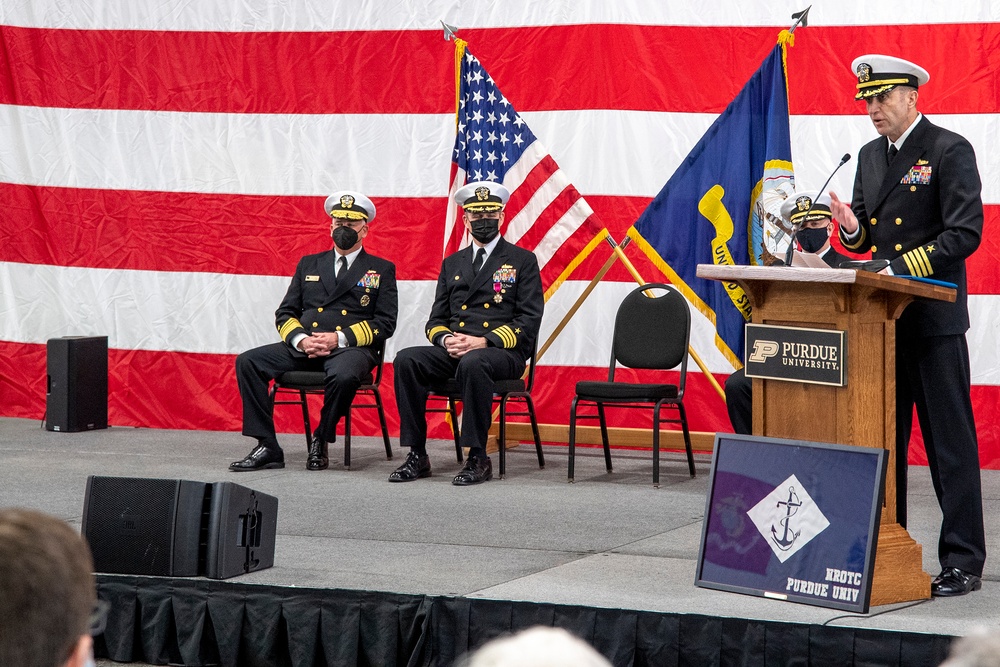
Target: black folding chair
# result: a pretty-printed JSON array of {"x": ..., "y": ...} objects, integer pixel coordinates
[
  {"x": 504, "y": 390},
  {"x": 302, "y": 383},
  {"x": 651, "y": 332}
]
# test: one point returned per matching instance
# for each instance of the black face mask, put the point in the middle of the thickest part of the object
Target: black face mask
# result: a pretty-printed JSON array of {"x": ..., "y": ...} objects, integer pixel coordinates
[
  {"x": 485, "y": 230},
  {"x": 344, "y": 237},
  {"x": 812, "y": 239}
]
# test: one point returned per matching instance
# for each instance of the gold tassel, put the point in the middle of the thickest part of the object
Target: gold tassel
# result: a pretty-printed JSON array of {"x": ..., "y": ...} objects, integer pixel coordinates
[{"x": 459, "y": 54}]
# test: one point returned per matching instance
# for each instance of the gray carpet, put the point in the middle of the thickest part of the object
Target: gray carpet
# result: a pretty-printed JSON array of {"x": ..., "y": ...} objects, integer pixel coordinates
[{"x": 607, "y": 540}]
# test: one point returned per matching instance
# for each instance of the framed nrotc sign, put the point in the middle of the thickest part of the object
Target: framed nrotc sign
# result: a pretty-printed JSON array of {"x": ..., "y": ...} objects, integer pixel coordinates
[{"x": 792, "y": 520}]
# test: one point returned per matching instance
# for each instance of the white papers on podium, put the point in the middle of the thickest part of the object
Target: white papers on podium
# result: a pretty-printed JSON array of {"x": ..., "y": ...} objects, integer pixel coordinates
[{"x": 808, "y": 259}]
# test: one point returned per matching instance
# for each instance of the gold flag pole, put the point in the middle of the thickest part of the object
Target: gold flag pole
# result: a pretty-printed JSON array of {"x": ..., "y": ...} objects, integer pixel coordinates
[
  {"x": 568, "y": 316},
  {"x": 583, "y": 297},
  {"x": 694, "y": 355}
]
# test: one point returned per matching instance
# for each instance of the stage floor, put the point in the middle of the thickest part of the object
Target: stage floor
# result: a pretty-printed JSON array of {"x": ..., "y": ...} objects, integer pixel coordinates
[{"x": 606, "y": 541}]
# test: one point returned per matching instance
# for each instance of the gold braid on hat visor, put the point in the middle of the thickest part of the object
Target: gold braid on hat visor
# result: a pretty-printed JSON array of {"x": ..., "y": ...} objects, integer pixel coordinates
[
  {"x": 486, "y": 206},
  {"x": 815, "y": 214},
  {"x": 877, "y": 86},
  {"x": 348, "y": 215}
]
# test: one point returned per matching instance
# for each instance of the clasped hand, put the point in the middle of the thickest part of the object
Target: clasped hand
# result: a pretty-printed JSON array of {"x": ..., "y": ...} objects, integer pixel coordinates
[
  {"x": 320, "y": 344},
  {"x": 458, "y": 345}
]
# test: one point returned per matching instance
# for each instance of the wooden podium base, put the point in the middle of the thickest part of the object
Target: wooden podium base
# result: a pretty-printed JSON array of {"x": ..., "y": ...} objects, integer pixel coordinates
[{"x": 899, "y": 574}]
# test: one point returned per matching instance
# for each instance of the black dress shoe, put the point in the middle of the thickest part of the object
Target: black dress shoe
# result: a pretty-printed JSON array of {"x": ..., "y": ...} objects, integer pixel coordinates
[
  {"x": 415, "y": 467},
  {"x": 476, "y": 471},
  {"x": 260, "y": 458},
  {"x": 318, "y": 459},
  {"x": 953, "y": 582}
]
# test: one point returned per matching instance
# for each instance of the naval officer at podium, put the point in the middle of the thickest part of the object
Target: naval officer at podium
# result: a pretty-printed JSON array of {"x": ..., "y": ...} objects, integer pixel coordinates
[{"x": 917, "y": 204}]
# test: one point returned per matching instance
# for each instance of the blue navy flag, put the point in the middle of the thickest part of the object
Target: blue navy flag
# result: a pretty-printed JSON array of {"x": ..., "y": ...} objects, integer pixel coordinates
[
  {"x": 722, "y": 205},
  {"x": 545, "y": 214}
]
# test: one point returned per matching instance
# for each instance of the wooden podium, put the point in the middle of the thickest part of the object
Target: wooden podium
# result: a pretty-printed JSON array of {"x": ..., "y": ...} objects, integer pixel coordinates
[{"x": 862, "y": 413}]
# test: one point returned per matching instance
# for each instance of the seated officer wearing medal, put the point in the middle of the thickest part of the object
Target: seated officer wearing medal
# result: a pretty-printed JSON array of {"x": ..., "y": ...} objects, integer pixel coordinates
[
  {"x": 813, "y": 235},
  {"x": 483, "y": 325},
  {"x": 917, "y": 204},
  {"x": 340, "y": 305}
]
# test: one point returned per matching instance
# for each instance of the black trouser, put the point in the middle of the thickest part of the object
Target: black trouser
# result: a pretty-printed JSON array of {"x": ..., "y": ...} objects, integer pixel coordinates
[
  {"x": 933, "y": 374},
  {"x": 739, "y": 402},
  {"x": 345, "y": 369},
  {"x": 417, "y": 369}
]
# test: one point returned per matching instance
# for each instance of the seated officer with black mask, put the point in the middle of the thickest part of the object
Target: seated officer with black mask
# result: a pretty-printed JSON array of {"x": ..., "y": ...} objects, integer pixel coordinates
[
  {"x": 339, "y": 306},
  {"x": 813, "y": 236},
  {"x": 483, "y": 325}
]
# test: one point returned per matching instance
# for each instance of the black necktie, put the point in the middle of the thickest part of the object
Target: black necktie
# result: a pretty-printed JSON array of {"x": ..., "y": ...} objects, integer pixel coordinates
[
  {"x": 478, "y": 262},
  {"x": 892, "y": 154},
  {"x": 341, "y": 268}
]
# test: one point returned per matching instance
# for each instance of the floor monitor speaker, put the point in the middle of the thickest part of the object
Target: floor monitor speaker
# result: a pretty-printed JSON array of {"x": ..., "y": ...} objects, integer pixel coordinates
[
  {"x": 144, "y": 526},
  {"x": 177, "y": 528},
  {"x": 241, "y": 531}
]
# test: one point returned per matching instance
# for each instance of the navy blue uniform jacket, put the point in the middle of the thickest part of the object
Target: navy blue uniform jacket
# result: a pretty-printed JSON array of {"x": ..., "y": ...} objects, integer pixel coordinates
[
  {"x": 503, "y": 302},
  {"x": 363, "y": 304},
  {"x": 924, "y": 214}
]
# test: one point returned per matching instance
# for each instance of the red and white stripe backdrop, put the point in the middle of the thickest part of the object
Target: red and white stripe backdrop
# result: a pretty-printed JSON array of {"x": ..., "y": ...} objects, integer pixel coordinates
[{"x": 163, "y": 164}]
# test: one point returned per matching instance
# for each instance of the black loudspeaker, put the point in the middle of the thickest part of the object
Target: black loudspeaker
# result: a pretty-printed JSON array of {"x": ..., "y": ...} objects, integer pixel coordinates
[
  {"x": 76, "y": 396},
  {"x": 177, "y": 528},
  {"x": 241, "y": 529},
  {"x": 144, "y": 526}
]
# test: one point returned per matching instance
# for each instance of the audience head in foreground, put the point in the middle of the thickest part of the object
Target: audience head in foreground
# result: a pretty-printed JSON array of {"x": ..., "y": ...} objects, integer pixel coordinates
[
  {"x": 48, "y": 592},
  {"x": 537, "y": 647}
]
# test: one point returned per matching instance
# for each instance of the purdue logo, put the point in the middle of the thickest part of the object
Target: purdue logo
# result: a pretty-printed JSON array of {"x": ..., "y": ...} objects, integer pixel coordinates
[
  {"x": 864, "y": 72},
  {"x": 347, "y": 201},
  {"x": 762, "y": 351},
  {"x": 803, "y": 203},
  {"x": 482, "y": 193}
]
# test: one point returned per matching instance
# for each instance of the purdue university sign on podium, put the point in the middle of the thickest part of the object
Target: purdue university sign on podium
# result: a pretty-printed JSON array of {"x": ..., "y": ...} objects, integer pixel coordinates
[{"x": 862, "y": 412}]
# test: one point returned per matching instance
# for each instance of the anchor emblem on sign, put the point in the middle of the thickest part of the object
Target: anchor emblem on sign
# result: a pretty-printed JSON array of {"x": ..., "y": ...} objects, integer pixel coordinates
[{"x": 792, "y": 506}]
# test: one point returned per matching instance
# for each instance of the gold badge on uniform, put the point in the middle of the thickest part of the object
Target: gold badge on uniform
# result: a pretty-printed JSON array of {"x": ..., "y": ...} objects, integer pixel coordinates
[
  {"x": 365, "y": 300},
  {"x": 347, "y": 201},
  {"x": 482, "y": 193},
  {"x": 312, "y": 279}
]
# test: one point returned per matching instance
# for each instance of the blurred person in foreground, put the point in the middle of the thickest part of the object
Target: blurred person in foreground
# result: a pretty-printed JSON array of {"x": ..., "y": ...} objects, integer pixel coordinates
[
  {"x": 980, "y": 648},
  {"x": 536, "y": 647},
  {"x": 47, "y": 592}
]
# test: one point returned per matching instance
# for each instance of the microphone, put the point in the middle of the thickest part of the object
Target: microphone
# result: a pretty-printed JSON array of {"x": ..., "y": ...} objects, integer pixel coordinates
[{"x": 795, "y": 227}]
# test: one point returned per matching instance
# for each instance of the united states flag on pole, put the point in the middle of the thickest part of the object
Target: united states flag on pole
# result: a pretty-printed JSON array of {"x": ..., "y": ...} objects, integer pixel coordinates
[{"x": 545, "y": 213}]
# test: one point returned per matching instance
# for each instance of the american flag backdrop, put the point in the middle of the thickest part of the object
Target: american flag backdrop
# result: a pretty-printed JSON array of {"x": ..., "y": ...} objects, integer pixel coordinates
[
  {"x": 545, "y": 213},
  {"x": 163, "y": 164}
]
